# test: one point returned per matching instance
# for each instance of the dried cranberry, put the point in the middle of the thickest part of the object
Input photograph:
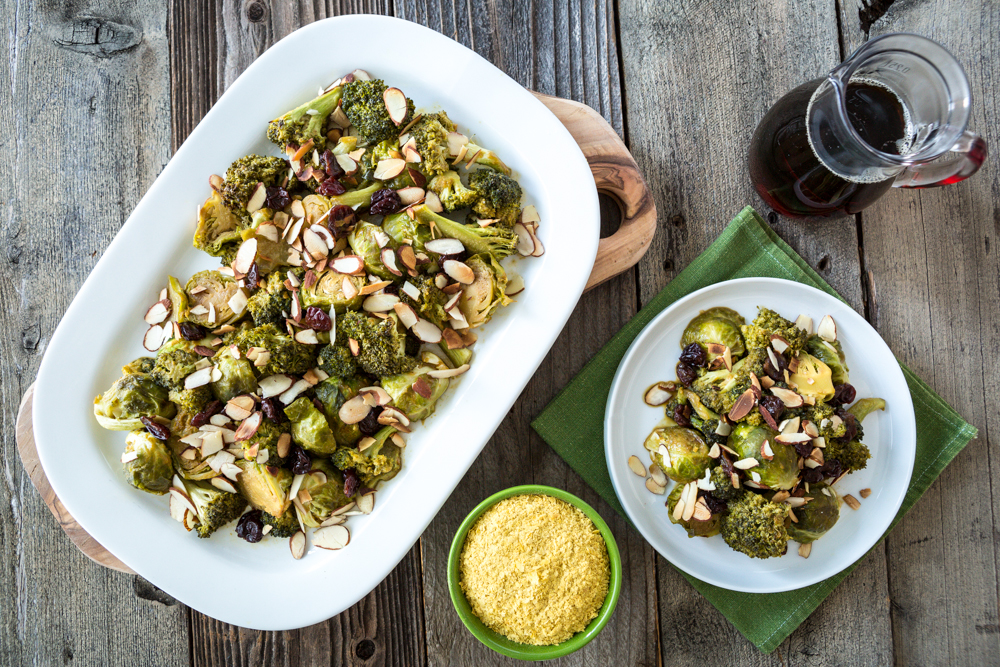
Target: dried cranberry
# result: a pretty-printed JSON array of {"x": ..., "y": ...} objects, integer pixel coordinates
[
  {"x": 273, "y": 411},
  {"x": 686, "y": 374},
  {"x": 385, "y": 202},
  {"x": 340, "y": 221},
  {"x": 330, "y": 165},
  {"x": 369, "y": 425},
  {"x": 192, "y": 331},
  {"x": 351, "y": 482},
  {"x": 682, "y": 415},
  {"x": 804, "y": 449},
  {"x": 832, "y": 468},
  {"x": 774, "y": 407},
  {"x": 776, "y": 374},
  {"x": 727, "y": 465},
  {"x": 301, "y": 463},
  {"x": 843, "y": 394},
  {"x": 812, "y": 475},
  {"x": 850, "y": 423},
  {"x": 209, "y": 411},
  {"x": 694, "y": 355},
  {"x": 157, "y": 430},
  {"x": 331, "y": 187},
  {"x": 314, "y": 318},
  {"x": 715, "y": 505},
  {"x": 251, "y": 526},
  {"x": 252, "y": 278},
  {"x": 277, "y": 198},
  {"x": 391, "y": 289}
]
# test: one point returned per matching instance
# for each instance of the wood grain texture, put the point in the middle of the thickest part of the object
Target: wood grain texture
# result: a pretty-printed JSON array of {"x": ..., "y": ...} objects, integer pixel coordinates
[
  {"x": 568, "y": 50},
  {"x": 84, "y": 104},
  {"x": 932, "y": 255},
  {"x": 698, "y": 77}
]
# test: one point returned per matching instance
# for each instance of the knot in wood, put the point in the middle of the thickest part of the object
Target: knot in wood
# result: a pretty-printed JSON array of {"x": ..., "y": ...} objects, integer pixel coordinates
[
  {"x": 256, "y": 11},
  {"x": 99, "y": 37}
]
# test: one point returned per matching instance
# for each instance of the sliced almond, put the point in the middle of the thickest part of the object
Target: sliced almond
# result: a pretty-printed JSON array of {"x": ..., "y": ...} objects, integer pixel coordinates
[
  {"x": 256, "y": 201},
  {"x": 791, "y": 438},
  {"x": 852, "y": 502},
  {"x": 690, "y": 502},
  {"x": 458, "y": 271},
  {"x": 154, "y": 338},
  {"x": 636, "y": 466},
  {"x": 659, "y": 394},
  {"x": 657, "y": 475},
  {"x": 389, "y": 168},
  {"x": 224, "y": 484},
  {"x": 788, "y": 397},
  {"x": 238, "y": 302},
  {"x": 354, "y": 410},
  {"x": 307, "y": 337},
  {"x": 314, "y": 244},
  {"x": 347, "y": 163},
  {"x": 701, "y": 511},
  {"x": 715, "y": 452},
  {"x": 211, "y": 443},
  {"x": 766, "y": 452},
  {"x": 805, "y": 549},
  {"x": 240, "y": 407},
  {"x": 389, "y": 260},
  {"x": 653, "y": 487},
  {"x": 366, "y": 503},
  {"x": 348, "y": 264},
  {"x": 827, "y": 329},
  {"x": 445, "y": 246},
  {"x": 778, "y": 343},
  {"x": 395, "y": 104},
  {"x": 805, "y": 323},
  {"x": 158, "y": 312},
  {"x": 427, "y": 332},
  {"x": 407, "y": 316},
  {"x": 245, "y": 256},
  {"x": 248, "y": 427},
  {"x": 297, "y": 544},
  {"x": 746, "y": 464},
  {"x": 272, "y": 385},
  {"x": 448, "y": 372},
  {"x": 790, "y": 425},
  {"x": 199, "y": 378},
  {"x": 810, "y": 429},
  {"x": 744, "y": 404},
  {"x": 525, "y": 240},
  {"x": 379, "y": 395},
  {"x": 723, "y": 429}
]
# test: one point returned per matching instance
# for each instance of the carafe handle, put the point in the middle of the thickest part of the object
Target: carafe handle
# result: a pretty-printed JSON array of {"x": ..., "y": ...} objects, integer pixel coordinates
[{"x": 963, "y": 160}]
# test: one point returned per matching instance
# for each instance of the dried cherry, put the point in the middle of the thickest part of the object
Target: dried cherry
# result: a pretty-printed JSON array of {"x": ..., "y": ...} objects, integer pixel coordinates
[
  {"x": 192, "y": 331},
  {"x": 251, "y": 526},
  {"x": 385, "y": 202},
  {"x": 694, "y": 355},
  {"x": 316, "y": 319},
  {"x": 277, "y": 198},
  {"x": 156, "y": 429},
  {"x": 686, "y": 374},
  {"x": 301, "y": 464},
  {"x": 209, "y": 411},
  {"x": 331, "y": 187}
]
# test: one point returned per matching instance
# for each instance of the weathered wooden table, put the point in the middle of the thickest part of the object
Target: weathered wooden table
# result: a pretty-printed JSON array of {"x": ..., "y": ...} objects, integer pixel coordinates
[{"x": 96, "y": 95}]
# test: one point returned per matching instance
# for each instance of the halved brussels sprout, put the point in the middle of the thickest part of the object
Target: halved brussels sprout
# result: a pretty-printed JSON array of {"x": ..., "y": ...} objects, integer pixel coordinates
[
  {"x": 218, "y": 227},
  {"x": 403, "y": 229},
  {"x": 211, "y": 291},
  {"x": 687, "y": 456},
  {"x": 378, "y": 463},
  {"x": 694, "y": 527},
  {"x": 487, "y": 291},
  {"x": 716, "y": 325},
  {"x": 407, "y": 400},
  {"x": 830, "y": 354},
  {"x": 812, "y": 377},
  {"x": 325, "y": 486},
  {"x": 310, "y": 430},
  {"x": 364, "y": 242},
  {"x": 132, "y": 396},
  {"x": 237, "y": 376},
  {"x": 333, "y": 393},
  {"x": 178, "y": 299},
  {"x": 817, "y": 516},
  {"x": 174, "y": 362},
  {"x": 152, "y": 469},
  {"x": 265, "y": 487},
  {"x": 781, "y": 471},
  {"x": 316, "y": 207},
  {"x": 328, "y": 291}
]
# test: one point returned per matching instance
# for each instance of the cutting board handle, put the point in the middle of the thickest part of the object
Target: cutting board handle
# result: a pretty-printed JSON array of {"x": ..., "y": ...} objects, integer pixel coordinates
[{"x": 616, "y": 175}]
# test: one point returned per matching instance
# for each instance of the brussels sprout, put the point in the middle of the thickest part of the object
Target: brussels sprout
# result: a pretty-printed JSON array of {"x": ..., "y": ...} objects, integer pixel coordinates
[
  {"x": 178, "y": 299},
  {"x": 716, "y": 325},
  {"x": 129, "y": 398},
  {"x": 403, "y": 229},
  {"x": 487, "y": 291},
  {"x": 408, "y": 401},
  {"x": 866, "y": 406},
  {"x": 141, "y": 366},
  {"x": 214, "y": 298},
  {"x": 333, "y": 393},
  {"x": 218, "y": 227},
  {"x": 687, "y": 456},
  {"x": 325, "y": 486},
  {"x": 237, "y": 376},
  {"x": 271, "y": 255},
  {"x": 310, "y": 430},
  {"x": 364, "y": 242},
  {"x": 781, "y": 471},
  {"x": 151, "y": 470},
  {"x": 830, "y": 354},
  {"x": 817, "y": 516},
  {"x": 265, "y": 486},
  {"x": 174, "y": 362},
  {"x": 328, "y": 291},
  {"x": 812, "y": 377},
  {"x": 377, "y": 463},
  {"x": 694, "y": 527},
  {"x": 189, "y": 468}
]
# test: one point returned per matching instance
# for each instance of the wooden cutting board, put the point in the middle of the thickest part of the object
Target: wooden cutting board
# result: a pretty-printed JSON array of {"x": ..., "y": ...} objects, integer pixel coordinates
[{"x": 615, "y": 173}]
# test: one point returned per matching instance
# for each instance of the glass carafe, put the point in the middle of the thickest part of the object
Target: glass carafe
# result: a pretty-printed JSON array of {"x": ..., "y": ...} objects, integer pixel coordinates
[{"x": 894, "y": 114}]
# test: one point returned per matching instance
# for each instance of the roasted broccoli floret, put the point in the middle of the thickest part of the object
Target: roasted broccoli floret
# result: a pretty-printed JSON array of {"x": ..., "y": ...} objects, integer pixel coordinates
[
  {"x": 286, "y": 354},
  {"x": 305, "y": 123},
  {"x": 430, "y": 305},
  {"x": 452, "y": 192},
  {"x": 269, "y": 304},
  {"x": 483, "y": 156},
  {"x": 712, "y": 387},
  {"x": 756, "y": 526},
  {"x": 191, "y": 400},
  {"x": 758, "y": 333},
  {"x": 215, "y": 507},
  {"x": 724, "y": 489},
  {"x": 243, "y": 176},
  {"x": 285, "y": 525},
  {"x": 140, "y": 365},
  {"x": 364, "y": 104},
  {"x": 174, "y": 362},
  {"x": 499, "y": 196},
  {"x": 492, "y": 240},
  {"x": 851, "y": 456},
  {"x": 381, "y": 343},
  {"x": 337, "y": 361},
  {"x": 431, "y": 136}
]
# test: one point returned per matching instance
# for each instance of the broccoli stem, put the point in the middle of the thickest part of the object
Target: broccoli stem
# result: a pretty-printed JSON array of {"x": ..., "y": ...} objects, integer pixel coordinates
[{"x": 491, "y": 240}]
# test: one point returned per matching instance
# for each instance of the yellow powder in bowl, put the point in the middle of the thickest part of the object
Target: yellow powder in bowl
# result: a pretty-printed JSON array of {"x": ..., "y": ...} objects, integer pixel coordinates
[{"x": 535, "y": 569}]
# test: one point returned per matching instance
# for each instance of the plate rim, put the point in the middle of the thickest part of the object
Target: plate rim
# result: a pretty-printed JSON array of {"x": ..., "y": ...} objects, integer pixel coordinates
[
  {"x": 411, "y": 522},
  {"x": 636, "y": 346}
]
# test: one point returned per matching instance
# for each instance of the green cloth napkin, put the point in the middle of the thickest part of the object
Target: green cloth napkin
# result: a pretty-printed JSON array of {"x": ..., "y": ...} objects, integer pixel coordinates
[{"x": 573, "y": 424}]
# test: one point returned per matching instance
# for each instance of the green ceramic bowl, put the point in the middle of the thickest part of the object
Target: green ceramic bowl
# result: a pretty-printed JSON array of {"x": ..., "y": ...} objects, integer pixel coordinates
[{"x": 498, "y": 642}]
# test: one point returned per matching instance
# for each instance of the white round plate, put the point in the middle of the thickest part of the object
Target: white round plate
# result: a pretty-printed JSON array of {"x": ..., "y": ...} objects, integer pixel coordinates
[{"x": 891, "y": 436}]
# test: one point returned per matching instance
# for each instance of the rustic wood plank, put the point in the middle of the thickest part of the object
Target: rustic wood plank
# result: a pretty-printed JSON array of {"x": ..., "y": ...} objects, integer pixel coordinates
[
  {"x": 386, "y": 627},
  {"x": 932, "y": 255},
  {"x": 698, "y": 78},
  {"x": 84, "y": 104},
  {"x": 552, "y": 48}
]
